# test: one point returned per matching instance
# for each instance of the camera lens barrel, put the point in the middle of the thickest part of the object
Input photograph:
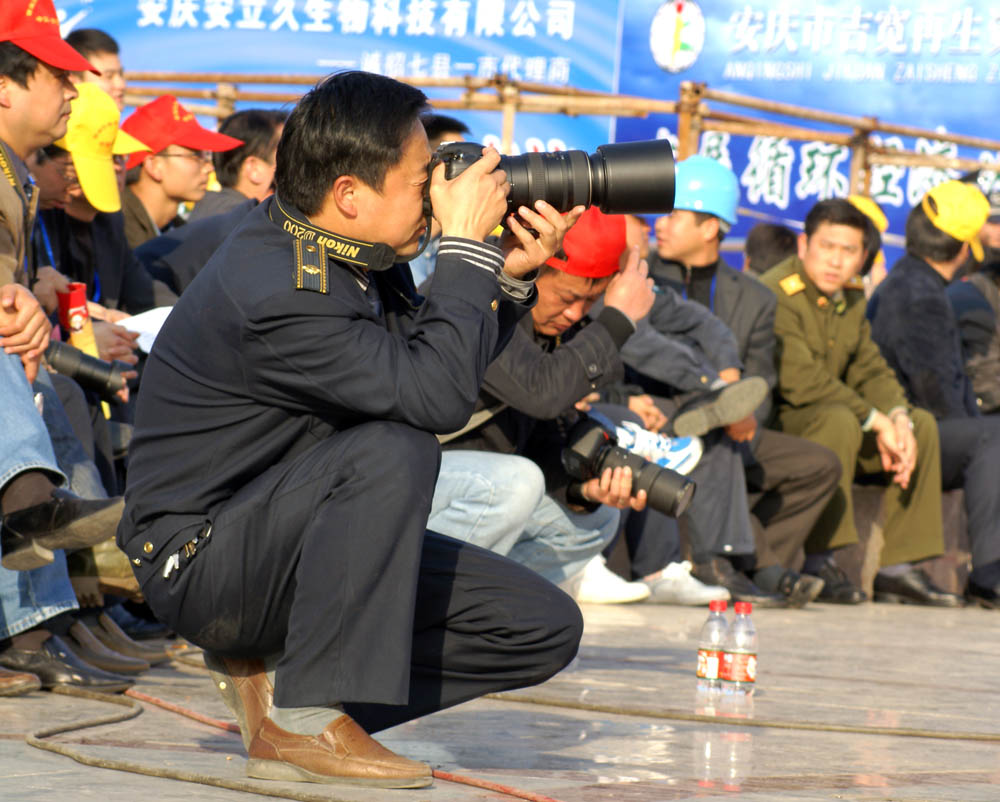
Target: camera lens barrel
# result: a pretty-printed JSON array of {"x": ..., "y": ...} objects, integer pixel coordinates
[
  {"x": 666, "y": 490},
  {"x": 89, "y": 372}
]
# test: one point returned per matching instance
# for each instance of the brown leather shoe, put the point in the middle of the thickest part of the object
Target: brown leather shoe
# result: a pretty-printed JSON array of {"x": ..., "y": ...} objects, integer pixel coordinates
[
  {"x": 16, "y": 683},
  {"x": 245, "y": 689},
  {"x": 342, "y": 753}
]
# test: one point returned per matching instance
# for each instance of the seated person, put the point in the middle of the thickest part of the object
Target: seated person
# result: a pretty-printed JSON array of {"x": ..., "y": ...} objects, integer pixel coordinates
[
  {"x": 916, "y": 330},
  {"x": 246, "y": 171},
  {"x": 835, "y": 388},
  {"x": 790, "y": 480},
  {"x": 101, "y": 50},
  {"x": 976, "y": 304},
  {"x": 175, "y": 171},
  {"x": 285, "y": 444},
  {"x": 767, "y": 244}
]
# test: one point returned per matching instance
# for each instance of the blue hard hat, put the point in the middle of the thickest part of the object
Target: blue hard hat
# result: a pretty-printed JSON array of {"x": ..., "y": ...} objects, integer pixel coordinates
[{"x": 704, "y": 185}]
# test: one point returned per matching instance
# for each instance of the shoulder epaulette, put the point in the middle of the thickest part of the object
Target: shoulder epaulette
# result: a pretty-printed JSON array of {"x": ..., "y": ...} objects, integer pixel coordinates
[
  {"x": 792, "y": 284},
  {"x": 310, "y": 265},
  {"x": 856, "y": 283}
]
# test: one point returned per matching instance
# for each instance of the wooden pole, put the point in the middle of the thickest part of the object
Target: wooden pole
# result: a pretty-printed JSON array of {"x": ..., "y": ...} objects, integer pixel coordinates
[{"x": 688, "y": 127}]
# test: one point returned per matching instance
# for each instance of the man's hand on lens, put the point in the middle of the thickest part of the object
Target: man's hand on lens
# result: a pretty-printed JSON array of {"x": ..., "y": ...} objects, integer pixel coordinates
[
  {"x": 614, "y": 488},
  {"x": 523, "y": 250},
  {"x": 631, "y": 290},
  {"x": 473, "y": 203},
  {"x": 24, "y": 328}
]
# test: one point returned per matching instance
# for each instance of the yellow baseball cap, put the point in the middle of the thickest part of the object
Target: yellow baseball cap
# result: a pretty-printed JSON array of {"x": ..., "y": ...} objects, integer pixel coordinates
[
  {"x": 958, "y": 209},
  {"x": 92, "y": 138}
]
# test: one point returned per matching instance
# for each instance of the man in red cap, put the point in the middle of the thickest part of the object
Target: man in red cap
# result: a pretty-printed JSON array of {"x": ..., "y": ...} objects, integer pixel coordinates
[{"x": 176, "y": 171}]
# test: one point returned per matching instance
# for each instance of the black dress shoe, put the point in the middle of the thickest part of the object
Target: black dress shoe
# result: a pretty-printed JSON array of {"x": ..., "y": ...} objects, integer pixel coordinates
[
  {"x": 719, "y": 571},
  {"x": 984, "y": 597},
  {"x": 913, "y": 587},
  {"x": 65, "y": 521},
  {"x": 137, "y": 628},
  {"x": 728, "y": 404},
  {"x": 837, "y": 588},
  {"x": 84, "y": 645},
  {"x": 800, "y": 589},
  {"x": 54, "y": 664}
]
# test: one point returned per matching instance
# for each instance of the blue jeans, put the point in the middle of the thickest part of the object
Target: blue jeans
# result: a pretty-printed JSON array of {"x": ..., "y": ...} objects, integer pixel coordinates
[
  {"x": 498, "y": 502},
  {"x": 24, "y": 441},
  {"x": 27, "y": 597}
]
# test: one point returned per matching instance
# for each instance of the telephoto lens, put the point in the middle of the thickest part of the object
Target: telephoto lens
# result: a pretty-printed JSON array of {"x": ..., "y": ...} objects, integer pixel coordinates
[
  {"x": 89, "y": 372},
  {"x": 592, "y": 449},
  {"x": 623, "y": 178}
]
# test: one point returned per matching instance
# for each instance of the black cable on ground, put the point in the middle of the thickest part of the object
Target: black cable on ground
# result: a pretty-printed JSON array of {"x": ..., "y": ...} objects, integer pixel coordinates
[{"x": 680, "y": 715}]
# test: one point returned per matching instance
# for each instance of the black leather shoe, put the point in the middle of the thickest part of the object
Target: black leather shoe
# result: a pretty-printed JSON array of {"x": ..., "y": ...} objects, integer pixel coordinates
[
  {"x": 135, "y": 627},
  {"x": 800, "y": 589},
  {"x": 84, "y": 645},
  {"x": 54, "y": 664},
  {"x": 66, "y": 521},
  {"x": 719, "y": 571},
  {"x": 728, "y": 404},
  {"x": 913, "y": 587},
  {"x": 984, "y": 597},
  {"x": 837, "y": 588}
]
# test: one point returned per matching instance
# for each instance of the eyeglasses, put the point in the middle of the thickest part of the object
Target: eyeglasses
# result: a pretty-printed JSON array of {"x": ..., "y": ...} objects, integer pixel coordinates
[{"x": 203, "y": 156}]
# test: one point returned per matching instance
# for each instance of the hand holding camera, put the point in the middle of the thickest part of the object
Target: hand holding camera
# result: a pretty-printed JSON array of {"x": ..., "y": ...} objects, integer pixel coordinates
[
  {"x": 526, "y": 249},
  {"x": 614, "y": 488},
  {"x": 470, "y": 204}
]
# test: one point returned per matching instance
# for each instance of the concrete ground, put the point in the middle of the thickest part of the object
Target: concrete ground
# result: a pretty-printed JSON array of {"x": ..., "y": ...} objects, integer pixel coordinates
[{"x": 876, "y": 702}]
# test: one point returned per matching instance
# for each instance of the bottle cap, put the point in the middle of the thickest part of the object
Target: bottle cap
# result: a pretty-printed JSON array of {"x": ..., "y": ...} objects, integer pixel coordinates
[
  {"x": 717, "y": 605},
  {"x": 743, "y": 608}
]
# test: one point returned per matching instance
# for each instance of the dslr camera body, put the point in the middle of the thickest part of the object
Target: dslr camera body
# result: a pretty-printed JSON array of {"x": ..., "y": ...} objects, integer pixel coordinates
[{"x": 593, "y": 448}]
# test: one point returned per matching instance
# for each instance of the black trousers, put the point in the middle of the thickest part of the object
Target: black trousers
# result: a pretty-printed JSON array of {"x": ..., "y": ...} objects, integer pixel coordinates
[
  {"x": 324, "y": 559},
  {"x": 790, "y": 480},
  {"x": 970, "y": 459}
]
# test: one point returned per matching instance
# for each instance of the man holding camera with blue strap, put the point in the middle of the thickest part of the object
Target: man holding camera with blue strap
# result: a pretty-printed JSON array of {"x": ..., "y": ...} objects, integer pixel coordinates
[{"x": 284, "y": 457}]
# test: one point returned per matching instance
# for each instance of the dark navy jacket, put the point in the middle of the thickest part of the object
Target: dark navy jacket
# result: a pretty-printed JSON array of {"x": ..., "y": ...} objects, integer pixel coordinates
[
  {"x": 249, "y": 371},
  {"x": 915, "y": 328}
]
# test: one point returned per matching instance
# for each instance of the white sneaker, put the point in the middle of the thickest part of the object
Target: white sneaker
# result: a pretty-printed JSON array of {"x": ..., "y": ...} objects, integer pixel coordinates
[
  {"x": 598, "y": 585},
  {"x": 679, "y": 454},
  {"x": 676, "y": 586}
]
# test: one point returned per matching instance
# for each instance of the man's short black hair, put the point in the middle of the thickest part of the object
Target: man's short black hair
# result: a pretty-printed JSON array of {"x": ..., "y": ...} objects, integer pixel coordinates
[
  {"x": 840, "y": 212},
  {"x": 351, "y": 123},
  {"x": 437, "y": 124},
  {"x": 767, "y": 244},
  {"x": 926, "y": 241},
  {"x": 17, "y": 64},
  {"x": 89, "y": 41},
  {"x": 258, "y": 128}
]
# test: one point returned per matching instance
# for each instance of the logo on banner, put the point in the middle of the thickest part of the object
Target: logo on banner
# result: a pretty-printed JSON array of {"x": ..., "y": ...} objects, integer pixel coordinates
[{"x": 677, "y": 35}]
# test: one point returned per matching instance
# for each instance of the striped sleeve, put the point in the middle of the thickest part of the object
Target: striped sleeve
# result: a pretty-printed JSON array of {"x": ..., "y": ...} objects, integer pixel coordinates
[{"x": 477, "y": 254}]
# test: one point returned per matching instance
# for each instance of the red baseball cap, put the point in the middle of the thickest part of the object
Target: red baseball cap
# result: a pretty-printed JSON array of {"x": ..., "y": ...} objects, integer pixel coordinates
[
  {"x": 33, "y": 26},
  {"x": 593, "y": 246},
  {"x": 164, "y": 122}
]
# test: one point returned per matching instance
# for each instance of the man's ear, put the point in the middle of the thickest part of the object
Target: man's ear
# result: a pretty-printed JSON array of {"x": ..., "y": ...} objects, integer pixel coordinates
[
  {"x": 346, "y": 194},
  {"x": 153, "y": 167},
  {"x": 5, "y": 100},
  {"x": 803, "y": 243},
  {"x": 250, "y": 170},
  {"x": 710, "y": 229}
]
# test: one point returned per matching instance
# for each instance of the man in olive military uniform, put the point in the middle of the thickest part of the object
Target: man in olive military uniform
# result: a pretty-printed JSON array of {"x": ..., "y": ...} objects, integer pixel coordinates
[
  {"x": 834, "y": 388},
  {"x": 285, "y": 457}
]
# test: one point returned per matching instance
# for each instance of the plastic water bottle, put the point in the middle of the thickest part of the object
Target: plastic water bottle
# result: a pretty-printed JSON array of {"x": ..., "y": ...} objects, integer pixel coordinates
[
  {"x": 710, "y": 652},
  {"x": 739, "y": 658}
]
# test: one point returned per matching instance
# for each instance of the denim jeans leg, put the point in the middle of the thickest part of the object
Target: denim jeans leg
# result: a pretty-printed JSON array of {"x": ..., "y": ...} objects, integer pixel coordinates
[
  {"x": 84, "y": 478},
  {"x": 485, "y": 498},
  {"x": 557, "y": 542},
  {"x": 24, "y": 441},
  {"x": 27, "y": 598}
]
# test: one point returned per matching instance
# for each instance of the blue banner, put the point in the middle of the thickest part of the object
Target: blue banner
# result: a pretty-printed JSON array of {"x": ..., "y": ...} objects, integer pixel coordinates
[{"x": 556, "y": 42}]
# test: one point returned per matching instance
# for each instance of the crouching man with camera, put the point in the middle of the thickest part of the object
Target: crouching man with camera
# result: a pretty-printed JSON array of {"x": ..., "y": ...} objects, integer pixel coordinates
[{"x": 284, "y": 458}]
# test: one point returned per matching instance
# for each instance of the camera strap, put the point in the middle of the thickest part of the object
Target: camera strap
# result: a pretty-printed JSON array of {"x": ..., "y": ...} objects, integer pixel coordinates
[{"x": 314, "y": 246}]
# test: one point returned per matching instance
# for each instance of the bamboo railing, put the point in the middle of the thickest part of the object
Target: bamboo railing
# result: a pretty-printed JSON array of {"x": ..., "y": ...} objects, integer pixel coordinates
[{"x": 696, "y": 111}]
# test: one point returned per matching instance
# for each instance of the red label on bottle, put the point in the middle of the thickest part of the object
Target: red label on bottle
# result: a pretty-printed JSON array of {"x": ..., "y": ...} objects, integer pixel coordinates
[
  {"x": 739, "y": 667},
  {"x": 708, "y": 663}
]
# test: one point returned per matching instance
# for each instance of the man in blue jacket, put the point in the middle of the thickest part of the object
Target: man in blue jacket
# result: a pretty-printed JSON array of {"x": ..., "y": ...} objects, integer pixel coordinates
[{"x": 915, "y": 328}]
